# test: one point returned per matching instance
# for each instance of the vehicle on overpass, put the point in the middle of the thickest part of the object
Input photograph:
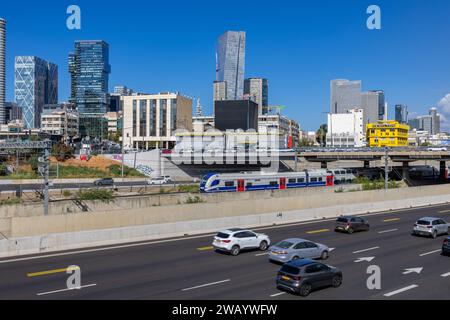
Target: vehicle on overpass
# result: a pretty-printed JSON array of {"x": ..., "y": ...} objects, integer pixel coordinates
[
  {"x": 431, "y": 227},
  {"x": 242, "y": 182},
  {"x": 446, "y": 247},
  {"x": 295, "y": 248},
  {"x": 350, "y": 224},
  {"x": 303, "y": 276},
  {"x": 236, "y": 239}
]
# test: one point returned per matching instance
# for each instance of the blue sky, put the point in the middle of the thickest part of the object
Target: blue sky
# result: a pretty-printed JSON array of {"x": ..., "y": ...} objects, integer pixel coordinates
[{"x": 298, "y": 45}]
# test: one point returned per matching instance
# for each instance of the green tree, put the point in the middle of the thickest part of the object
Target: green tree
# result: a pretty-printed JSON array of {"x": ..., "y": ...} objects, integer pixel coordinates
[
  {"x": 321, "y": 135},
  {"x": 62, "y": 152}
]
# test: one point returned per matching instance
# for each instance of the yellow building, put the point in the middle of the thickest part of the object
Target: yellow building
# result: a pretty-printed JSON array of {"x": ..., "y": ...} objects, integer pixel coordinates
[{"x": 387, "y": 134}]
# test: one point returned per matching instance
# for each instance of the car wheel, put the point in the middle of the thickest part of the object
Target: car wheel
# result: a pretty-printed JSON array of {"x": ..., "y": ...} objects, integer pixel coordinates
[
  {"x": 263, "y": 246},
  {"x": 336, "y": 282},
  {"x": 325, "y": 255},
  {"x": 235, "y": 250},
  {"x": 350, "y": 230},
  {"x": 434, "y": 235},
  {"x": 305, "y": 290}
]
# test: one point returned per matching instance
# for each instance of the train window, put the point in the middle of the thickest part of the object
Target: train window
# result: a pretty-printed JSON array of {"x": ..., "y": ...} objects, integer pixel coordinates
[
  {"x": 292, "y": 181},
  {"x": 313, "y": 179},
  {"x": 229, "y": 183},
  {"x": 320, "y": 180},
  {"x": 215, "y": 183},
  {"x": 301, "y": 180},
  {"x": 273, "y": 183},
  {"x": 249, "y": 184}
]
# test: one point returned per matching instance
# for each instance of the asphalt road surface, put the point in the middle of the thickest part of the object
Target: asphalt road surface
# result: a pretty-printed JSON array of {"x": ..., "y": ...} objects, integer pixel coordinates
[{"x": 189, "y": 269}]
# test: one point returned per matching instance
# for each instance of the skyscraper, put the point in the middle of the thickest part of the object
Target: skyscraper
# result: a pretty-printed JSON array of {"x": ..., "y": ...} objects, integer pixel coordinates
[
  {"x": 89, "y": 69},
  {"x": 401, "y": 113},
  {"x": 2, "y": 68},
  {"x": 435, "y": 121},
  {"x": 257, "y": 89},
  {"x": 230, "y": 63},
  {"x": 345, "y": 95},
  {"x": 220, "y": 90},
  {"x": 373, "y": 104},
  {"x": 35, "y": 84}
]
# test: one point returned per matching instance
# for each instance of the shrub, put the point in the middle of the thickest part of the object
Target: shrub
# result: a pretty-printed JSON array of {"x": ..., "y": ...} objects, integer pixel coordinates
[
  {"x": 192, "y": 188},
  {"x": 67, "y": 193},
  {"x": 10, "y": 202},
  {"x": 96, "y": 194},
  {"x": 193, "y": 200}
]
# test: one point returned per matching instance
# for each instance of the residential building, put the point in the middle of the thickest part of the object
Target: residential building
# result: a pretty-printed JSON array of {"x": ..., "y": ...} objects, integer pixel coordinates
[
  {"x": 60, "y": 119},
  {"x": 430, "y": 123},
  {"x": 114, "y": 121},
  {"x": 150, "y": 121},
  {"x": 401, "y": 114},
  {"x": 35, "y": 84},
  {"x": 435, "y": 121},
  {"x": 236, "y": 114},
  {"x": 2, "y": 69},
  {"x": 257, "y": 89},
  {"x": 220, "y": 91},
  {"x": 89, "y": 68},
  {"x": 230, "y": 63},
  {"x": 345, "y": 95},
  {"x": 346, "y": 130},
  {"x": 387, "y": 134},
  {"x": 373, "y": 105}
]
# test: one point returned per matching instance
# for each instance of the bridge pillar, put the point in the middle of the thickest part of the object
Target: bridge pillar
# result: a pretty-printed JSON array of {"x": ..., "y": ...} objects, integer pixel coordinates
[
  {"x": 405, "y": 171},
  {"x": 442, "y": 171},
  {"x": 324, "y": 165},
  {"x": 366, "y": 164}
]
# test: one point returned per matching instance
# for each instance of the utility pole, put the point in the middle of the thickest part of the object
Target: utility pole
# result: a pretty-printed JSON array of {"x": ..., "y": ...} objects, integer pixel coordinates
[
  {"x": 386, "y": 169},
  {"x": 44, "y": 170}
]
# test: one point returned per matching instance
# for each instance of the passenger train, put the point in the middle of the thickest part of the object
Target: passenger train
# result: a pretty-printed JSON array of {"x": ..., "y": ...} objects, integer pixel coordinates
[{"x": 242, "y": 182}]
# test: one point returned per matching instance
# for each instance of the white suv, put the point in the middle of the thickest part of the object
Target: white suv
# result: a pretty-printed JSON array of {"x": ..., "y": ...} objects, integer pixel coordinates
[
  {"x": 157, "y": 181},
  {"x": 235, "y": 240}
]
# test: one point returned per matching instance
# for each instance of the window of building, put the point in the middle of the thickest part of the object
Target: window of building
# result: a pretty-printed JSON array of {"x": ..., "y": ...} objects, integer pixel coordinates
[{"x": 134, "y": 118}]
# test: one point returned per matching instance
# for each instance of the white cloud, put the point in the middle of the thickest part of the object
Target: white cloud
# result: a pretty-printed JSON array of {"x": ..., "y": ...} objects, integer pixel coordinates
[{"x": 443, "y": 107}]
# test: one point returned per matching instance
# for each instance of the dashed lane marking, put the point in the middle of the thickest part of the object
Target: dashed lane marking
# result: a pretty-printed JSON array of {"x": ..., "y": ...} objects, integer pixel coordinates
[
  {"x": 393, "y": 293},
  {"x": 365, "y": 250},
  {"x": 428, "y": 253},
  {"x": 318, "y": 231},
  {"x": 206, "y": 285},
  {"x": 67, "y": 289},
  {"x": 387, "y": 231}
]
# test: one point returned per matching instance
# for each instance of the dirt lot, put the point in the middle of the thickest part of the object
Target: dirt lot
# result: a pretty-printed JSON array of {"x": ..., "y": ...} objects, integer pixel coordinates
[{"x": 97, "y": 162}]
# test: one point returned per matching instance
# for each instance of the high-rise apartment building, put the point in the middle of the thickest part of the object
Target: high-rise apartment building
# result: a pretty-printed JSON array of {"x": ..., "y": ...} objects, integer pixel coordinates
[
  {"x": 89, "y": 68},
  {"x": 230, "y": 63},
  {"x": 435, "y": 121},
  {"x": 401, "y": 114},
  {"x": 373, "y": 104},
  {"x": 2, "y": 69},
  {"x": 257, "y": 89},
  {"x": 345, "y": 95},
  {"x": 35, "y": 84}
]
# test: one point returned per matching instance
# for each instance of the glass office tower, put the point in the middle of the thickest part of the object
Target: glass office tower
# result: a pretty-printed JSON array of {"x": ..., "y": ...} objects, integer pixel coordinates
[
  {"x": 89, "y": 69},
  {"x": 35, "y": 84},
  {"x": 345, "y": 95},
  {"x": 230, "y": 63},
  {"x": 401, "y": 113}
]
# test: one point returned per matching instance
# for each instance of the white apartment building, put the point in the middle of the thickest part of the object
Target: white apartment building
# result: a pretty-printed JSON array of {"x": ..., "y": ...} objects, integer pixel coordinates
[
  {"x": 60, "y": 119},
  {"x": 346, "y": 130},
  {"x": 150, "y": 121},
  {"x": 284, "y": 126}
]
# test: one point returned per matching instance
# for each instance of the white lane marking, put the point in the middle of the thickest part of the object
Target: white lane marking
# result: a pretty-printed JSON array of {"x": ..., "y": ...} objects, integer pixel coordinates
[
  {"x": 413, "y": 270},
  {"x": 393, "y": 293},
  {"x": 261, "y": 254},
  {"x": 428, "y": 253},
  {"x": 66, "y": 289},
  {"x": 445, "y": 275},
  {"x": 277, "y": 294},
  {"x": 368, "y": 259},
  {"x": 206, "y": 285},
  {"x": 387, "y": 231},
  {"x": 210, "y": 235},
  {"x": 365, "y": 250}
]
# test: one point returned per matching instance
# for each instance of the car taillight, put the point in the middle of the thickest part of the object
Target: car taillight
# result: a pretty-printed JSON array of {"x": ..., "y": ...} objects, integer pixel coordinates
[
  {"x": 226, "y": 241},
  {"x": 446, "y": 242},
  {"x": 430, "y": 227}
]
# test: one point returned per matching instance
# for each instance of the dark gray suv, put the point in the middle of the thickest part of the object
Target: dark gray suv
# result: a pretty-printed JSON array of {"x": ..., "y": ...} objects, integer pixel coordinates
[
  {"x": 351, "y": 224},
  {"x": 304, "y": 275}
]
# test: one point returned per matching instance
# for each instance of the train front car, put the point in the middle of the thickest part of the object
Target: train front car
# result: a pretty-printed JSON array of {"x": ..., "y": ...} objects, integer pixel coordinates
[{"x": 205, "y": 183}]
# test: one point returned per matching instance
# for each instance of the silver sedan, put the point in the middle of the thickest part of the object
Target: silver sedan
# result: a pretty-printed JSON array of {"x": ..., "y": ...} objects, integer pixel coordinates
[{"x": 293, "y": 249}]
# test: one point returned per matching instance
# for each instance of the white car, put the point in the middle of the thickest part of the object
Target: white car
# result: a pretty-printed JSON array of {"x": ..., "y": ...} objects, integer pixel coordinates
[
  {"x": 235, "y": 240},
  {"x": 157, "y": 181}
]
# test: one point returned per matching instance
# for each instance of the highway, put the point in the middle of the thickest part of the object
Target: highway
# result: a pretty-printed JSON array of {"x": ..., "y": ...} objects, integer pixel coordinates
[{"x": 189, "y": 269}]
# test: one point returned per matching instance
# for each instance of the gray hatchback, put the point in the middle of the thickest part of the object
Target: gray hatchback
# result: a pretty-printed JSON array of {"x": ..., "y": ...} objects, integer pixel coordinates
[
  {"x": 295, "y": 248},
  {"x": 305, "y": 275}
]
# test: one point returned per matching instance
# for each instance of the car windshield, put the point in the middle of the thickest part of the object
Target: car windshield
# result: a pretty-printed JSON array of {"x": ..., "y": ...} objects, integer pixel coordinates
[
  {"x": 223, "y": 235},
  {"x": 423, "y": 222},
  {"x": 290, "y": 269},
  {"x": 284, "y": 244}
]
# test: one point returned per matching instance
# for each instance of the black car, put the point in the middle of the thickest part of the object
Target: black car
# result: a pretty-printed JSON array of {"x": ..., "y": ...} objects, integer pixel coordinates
[
  {"x": 104, "y": 182},
  {"x": 351, "y": 224},
  {"x": 302, "y": 276},
  {"x": 446, "y": 247}
]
